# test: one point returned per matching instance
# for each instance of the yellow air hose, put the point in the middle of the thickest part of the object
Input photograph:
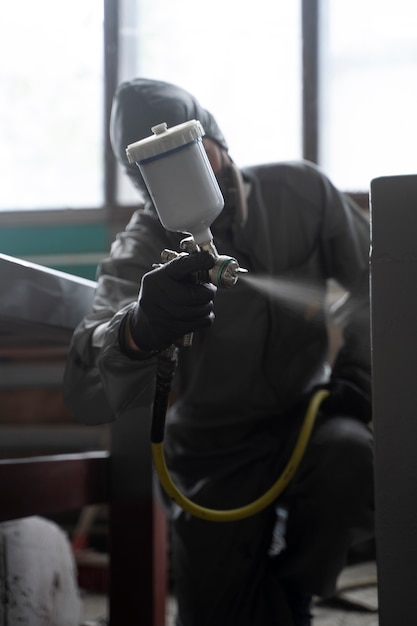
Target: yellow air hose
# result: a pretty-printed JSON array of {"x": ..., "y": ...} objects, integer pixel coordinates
[{"x": 232, "y": 515}]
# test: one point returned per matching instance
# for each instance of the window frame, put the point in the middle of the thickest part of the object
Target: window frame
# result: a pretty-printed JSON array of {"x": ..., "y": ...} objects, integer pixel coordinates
[{"x": 114, "y": 213}]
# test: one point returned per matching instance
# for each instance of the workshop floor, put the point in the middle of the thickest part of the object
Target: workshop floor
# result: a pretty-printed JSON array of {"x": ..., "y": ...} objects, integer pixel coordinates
[{"x": 356, "y": 603}]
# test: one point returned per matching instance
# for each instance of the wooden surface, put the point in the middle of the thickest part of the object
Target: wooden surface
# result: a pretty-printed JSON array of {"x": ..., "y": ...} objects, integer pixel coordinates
[{"x": 52, "y": 484}]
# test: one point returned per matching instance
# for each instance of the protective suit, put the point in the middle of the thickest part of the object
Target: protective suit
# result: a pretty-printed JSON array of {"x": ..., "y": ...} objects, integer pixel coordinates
[{"x": 243, "y": 385}]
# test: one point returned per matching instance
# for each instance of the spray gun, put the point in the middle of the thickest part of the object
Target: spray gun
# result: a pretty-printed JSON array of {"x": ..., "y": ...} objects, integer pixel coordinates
[
  {"x": 226, "y": 269},
  {"x": 184, "y": 190},
  {"x": 185, "y": 193},
  {"x": 187, "y": 198}
]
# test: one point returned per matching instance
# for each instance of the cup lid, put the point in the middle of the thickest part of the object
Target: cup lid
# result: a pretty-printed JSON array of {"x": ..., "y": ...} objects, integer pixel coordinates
[{"x": 164, "y": 139}]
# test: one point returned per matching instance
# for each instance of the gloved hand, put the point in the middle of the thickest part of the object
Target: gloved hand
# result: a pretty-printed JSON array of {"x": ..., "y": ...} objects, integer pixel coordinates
[
  {"x": 346, "y": 399},
  {"x": 172, "y": 303}
]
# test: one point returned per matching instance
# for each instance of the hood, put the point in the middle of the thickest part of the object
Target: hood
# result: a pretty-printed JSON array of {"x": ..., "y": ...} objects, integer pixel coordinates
[{"x": 142, "y": 103}]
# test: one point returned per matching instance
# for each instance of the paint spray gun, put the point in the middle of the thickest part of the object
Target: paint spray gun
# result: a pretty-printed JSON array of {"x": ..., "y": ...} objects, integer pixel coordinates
[
  {"x": 187, "y": 198},
  {"x": 185, "y": 192}
]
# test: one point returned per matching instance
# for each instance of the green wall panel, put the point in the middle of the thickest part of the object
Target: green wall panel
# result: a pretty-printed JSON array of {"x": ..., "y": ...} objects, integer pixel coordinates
[
  {"x": 63, "y": 243},
  {"x": 82, "y": 270},
  {"x": 70, "y": 238}
]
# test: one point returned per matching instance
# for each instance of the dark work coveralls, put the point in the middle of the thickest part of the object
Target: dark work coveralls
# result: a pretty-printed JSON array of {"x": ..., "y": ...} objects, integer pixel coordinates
[{"x": 241, "y": 390}]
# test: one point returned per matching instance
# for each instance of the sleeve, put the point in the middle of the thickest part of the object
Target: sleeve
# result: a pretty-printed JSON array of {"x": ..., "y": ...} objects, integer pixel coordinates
[{"x": 100, "y": 382}]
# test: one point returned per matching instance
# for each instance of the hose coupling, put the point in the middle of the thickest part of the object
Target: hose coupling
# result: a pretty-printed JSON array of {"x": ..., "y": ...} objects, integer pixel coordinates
[{"x": 225, "y": 271}]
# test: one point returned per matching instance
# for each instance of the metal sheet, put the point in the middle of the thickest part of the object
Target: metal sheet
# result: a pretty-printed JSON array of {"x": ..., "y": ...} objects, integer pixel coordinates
[{"x": 40, "y": 306}]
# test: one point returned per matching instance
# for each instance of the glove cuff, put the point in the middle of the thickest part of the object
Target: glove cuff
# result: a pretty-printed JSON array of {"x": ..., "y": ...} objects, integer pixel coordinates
[{"x": 136, "y": 355}]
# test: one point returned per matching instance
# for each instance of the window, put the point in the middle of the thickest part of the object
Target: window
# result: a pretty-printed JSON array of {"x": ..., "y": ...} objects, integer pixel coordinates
[
  {"x": 368, "y": 124},
  {"x": 346, "y": 104},
  {"x": 51, "y": 105},
  {"x": 329, "y": 80},
  {"x": 241, "y": 61}
]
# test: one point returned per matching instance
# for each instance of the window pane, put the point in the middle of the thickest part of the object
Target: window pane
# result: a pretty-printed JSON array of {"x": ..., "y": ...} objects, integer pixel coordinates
[
  {"x": 241, "y": 61},
  {"x": 51, "y": 104},
  {"x": 369, "y": 122}
]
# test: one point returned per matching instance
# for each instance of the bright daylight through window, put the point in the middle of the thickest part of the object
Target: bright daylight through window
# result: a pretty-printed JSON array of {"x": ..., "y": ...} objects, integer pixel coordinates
[
  {"x": 369, "y": 90},
  {"x": 51, "y": 105},
  {"x": 242, "y": 61}
]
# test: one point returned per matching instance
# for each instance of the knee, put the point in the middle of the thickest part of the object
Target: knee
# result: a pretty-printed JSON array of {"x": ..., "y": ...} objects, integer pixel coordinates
[
  {"x": 335, "y": 484},
  {"x": 345, "y": 437},
  {"x": 341, "y": 455},
  {"x": 346, "y": 448}
]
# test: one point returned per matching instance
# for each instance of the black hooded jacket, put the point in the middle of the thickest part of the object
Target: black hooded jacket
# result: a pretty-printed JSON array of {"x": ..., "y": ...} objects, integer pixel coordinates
[{"x": 269, "y": 342}]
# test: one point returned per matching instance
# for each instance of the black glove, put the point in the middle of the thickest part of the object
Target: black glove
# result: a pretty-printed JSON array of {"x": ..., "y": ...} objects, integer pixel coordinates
[
  {"x": 346, "y": 399},
  {"x": 172, "y": 303}
]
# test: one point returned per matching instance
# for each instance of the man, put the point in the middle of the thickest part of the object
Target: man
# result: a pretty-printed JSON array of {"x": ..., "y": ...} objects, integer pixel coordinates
[{"x": 244, "y": 385}]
